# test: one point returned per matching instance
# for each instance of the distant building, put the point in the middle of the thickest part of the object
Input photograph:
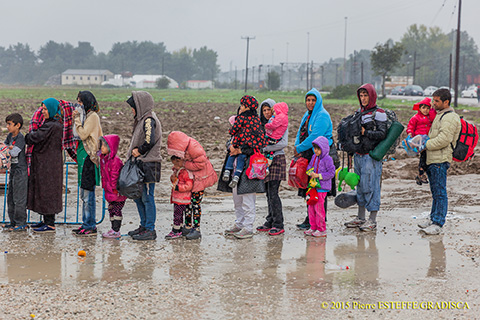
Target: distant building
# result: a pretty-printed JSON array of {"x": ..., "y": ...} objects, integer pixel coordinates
[
  {"x": 199, "y": 84},
  {"x": 145, "y": 81},
  {"x": 85, "y": 77}
]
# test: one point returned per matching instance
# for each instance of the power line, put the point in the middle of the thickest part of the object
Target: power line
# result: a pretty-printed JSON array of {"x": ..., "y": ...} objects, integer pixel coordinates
[{"x": 246, "y": 68}]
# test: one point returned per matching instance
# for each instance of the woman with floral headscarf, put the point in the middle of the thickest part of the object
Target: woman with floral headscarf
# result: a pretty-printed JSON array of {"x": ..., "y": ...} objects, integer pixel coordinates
[
  {"x": 89, "y": 131},
  {"x": 45, "y": 181}
]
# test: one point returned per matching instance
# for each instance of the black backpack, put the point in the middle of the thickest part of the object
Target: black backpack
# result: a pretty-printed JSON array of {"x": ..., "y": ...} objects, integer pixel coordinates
[{"x": 349, "y": 131}]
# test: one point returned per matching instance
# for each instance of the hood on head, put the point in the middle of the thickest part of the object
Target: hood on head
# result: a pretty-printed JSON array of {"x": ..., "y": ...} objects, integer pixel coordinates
[
  {"x": 426, "y": 101},
  {"x": 267, "y": 102},
  {"x": 177, "y": 144},
  {"x": 144, "y": 103},
  {"x": 319, "y": 104},
  {"x": 322, "y": 142},
  {"x": 372, "y": 94},
  {"x": 281, "y": 108},
  {"x": 52, "y": 106},
  {"x": 113, "y": 142}
]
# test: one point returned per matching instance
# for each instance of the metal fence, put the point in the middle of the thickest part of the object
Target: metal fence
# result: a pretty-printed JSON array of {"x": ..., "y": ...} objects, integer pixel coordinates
[{"x": 58, "y": 221}]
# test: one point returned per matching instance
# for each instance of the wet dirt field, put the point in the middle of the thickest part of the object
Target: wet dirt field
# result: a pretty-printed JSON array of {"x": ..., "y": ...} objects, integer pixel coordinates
[{"x": 281, "y": 277}]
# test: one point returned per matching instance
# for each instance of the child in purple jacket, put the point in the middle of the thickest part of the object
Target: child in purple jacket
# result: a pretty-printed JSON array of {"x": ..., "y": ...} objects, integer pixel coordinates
[{"x": 321, "y": 171}]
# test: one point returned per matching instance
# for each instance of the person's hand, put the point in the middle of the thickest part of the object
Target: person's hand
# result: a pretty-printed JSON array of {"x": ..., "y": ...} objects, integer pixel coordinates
[
  {"x": 296, "y": 154},
  {"x": 10, "y": 147},
  {"x": 235, "y": 151},
  {"x": 135, "y": 152},
  {"x": 363, "y": 131},
  {"x": 75, "y": 113}
]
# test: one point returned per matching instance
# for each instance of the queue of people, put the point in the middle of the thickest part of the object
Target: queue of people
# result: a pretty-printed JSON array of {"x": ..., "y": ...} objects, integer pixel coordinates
[{"x": 37, "y": 162}]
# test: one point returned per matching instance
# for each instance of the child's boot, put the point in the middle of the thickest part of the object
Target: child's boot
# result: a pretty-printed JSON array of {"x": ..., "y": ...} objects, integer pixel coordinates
[
  {"x": 226, "y": 175},
  {"x": 234, "y": 182}
]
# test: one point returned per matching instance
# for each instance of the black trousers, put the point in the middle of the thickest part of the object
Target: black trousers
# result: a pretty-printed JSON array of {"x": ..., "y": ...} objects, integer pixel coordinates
[
  {"x": 275, "y": 212},
  {"x": 49, "y": 219}
]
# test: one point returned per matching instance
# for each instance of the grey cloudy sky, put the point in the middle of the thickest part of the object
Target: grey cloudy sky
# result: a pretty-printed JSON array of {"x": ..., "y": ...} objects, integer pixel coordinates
[{"x": 280, "y": 26}]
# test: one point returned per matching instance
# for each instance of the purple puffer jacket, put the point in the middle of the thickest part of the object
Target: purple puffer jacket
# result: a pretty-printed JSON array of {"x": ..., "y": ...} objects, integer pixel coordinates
[
  {"x": 110, "y": 166},
  {"x": 323, "y": 164}
]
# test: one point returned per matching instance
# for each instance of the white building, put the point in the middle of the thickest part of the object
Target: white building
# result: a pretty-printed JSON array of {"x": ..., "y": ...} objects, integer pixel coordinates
[
  {"x": 85, "y": 77},
  {"x": 140, "y": 81},
  {"x": 199, "y": 84}
]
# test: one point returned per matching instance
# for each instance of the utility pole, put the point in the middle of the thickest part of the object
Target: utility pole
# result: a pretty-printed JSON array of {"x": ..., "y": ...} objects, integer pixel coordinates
[
  {"x": 414, "y": 65},
  {"x": 246, "y": 68},
  {"x": 345, "y": 52},
  {"x": 311, "y": 75},
  {"x": 336, "y": 74},
  {"x": 450, "y": 73},
  {"x": 236, "y": 81},
  {"x": 253, "y": 77},
  {"x": 361, "y": 79},
  {"x": 308, "y": 56},
  {"x": 457, "y": 54}
]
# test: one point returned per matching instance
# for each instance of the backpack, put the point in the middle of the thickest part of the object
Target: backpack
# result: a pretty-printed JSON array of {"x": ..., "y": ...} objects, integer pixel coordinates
[
  {"x": 466, "y": 142},
  {"x": 350, "y": 129},
  {"x": 257, "y": 168}
]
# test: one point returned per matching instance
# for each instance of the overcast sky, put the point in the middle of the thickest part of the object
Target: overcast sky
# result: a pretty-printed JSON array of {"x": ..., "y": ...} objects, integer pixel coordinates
[{"x": 280, "y": 27}]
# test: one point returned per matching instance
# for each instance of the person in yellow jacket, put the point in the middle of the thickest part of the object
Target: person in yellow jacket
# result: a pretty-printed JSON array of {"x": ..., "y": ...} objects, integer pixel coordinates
[{"x": 443, "y": 137}]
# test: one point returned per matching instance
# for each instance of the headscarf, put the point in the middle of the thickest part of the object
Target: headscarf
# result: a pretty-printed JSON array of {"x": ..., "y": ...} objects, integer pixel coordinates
[
  {"x": 52, "y": 107},
  {"x": 249, "y": 102},
  {"x": 89, "y": 101}
]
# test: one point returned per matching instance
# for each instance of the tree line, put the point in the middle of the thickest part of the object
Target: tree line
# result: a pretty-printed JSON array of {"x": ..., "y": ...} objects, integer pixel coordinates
[{"x": 20, "y": 64}]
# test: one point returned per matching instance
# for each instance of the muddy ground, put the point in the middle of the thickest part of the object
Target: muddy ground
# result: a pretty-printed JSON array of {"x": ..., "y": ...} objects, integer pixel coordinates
[{"x": 260, "y": 278}]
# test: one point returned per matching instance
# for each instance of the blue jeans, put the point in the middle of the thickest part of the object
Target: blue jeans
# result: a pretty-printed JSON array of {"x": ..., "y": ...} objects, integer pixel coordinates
[
  {"x": 368, "y": 189},
  {"x": 146, "y": 207},
  {"x": 88, "y": 210},
  {"x": 240, "y": 163},
  {"x": 437, "y": 174}
]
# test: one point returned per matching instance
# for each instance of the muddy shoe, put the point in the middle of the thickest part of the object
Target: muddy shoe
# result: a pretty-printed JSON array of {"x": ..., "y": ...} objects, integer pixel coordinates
[
  {"x": 226, "y": 175},
  {"x": 87, "y": 233},
  {"x": 425, "y": 224},
  {"x": 432, "y": 229},
  {"x": 303, "y": 226},
  {"x": 112, "y": 234},
  {"x": 37, "y": 225},
  {"x": 243, "y": 234},
  {"x": 174, "y": 234},
  {"x": 418, "y": 180},
  {"x": 354, "y": 223},
  {"x": 185, "y": 231},
  {"x": 234, "y": 182},
  {"x": 234, "y": 229},
  {"x": 44, "y": 229},
  {"x": 194, "y": 234},
  {"x": 262, "y": 228},
  {"x": 145, "y": 235},
  {"x": 275, "y": 231},
  {"x": 319, "y": 234},
  {"x": 19, "y": 228},
  {"x": 140, "y": 229},
  {"x": 368, "y": 226}
]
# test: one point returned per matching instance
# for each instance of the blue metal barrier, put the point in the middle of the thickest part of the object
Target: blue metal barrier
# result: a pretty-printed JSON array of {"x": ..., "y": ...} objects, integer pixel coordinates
[{"x": 65, "y": 206}]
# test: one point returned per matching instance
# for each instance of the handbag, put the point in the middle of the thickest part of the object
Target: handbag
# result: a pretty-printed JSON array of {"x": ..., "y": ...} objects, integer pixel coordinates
[
  {"x": 297, "y": 174},
  {"x": 257, "y": 167},
  {"x": 130, "y": 180}
]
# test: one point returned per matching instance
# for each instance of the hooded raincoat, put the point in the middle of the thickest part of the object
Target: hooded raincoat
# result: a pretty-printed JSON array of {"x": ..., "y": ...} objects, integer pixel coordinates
[
  {"x": 419, "y": 123},
  {"x": 275, "y": 128},
  {"x": 323, "y": 164},
  {"x": 110, "y": 166}
]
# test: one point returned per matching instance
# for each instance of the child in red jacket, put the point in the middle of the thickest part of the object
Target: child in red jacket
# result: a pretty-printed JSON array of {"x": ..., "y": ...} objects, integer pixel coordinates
[
  {"x": 110, "y": 166},
  {"x": 182, "y": 185},
  {"x": 421, "y": 124}
]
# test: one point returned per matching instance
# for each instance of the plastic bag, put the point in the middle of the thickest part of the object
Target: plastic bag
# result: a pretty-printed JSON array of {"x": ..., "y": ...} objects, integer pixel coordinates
[
  {"x": 130, "y": 180},
  {"x": 415, "y": 145},
  {"x": 257, "y": 167},
  {"x": 297, "y": 175},
  {"x": 5, "y": 158}
]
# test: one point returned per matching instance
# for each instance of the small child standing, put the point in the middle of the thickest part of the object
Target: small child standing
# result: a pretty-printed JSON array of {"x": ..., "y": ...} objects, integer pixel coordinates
[
  {"x": 18, "y": 179},
  {"x": 110, "y": 166},
  {"x": 421, "y": 124},
  {"x": 182, "y": 184},
  {"x": 323, "y": 169},
  {"x": 276, "y": 127},
  {"x": 246, "y": 132}
]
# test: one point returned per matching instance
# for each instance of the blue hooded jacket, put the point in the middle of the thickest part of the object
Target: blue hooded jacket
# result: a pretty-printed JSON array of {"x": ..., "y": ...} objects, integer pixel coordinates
[{"x": 320, "y": 124}]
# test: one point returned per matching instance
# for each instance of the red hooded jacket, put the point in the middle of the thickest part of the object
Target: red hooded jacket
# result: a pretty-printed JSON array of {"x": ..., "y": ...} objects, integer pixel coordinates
[
  {"x": 420, "y": 124},
  {"x": 110, "y": 166}
]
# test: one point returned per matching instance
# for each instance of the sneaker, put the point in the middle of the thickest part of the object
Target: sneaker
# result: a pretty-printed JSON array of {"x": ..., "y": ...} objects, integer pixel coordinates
[
  {"x": 44, "y": 229},
  {"x": 354, "y": 223},
  {"x": 303, "y": 226},
  {"x": 19, "y": 228},
  {"x": 86, "y": 233},
  {"x": 174, "y": 234},
  {"x": 308, "y": 232},
  {"x": 432, "y": 229},
  {"x": 263, "y": 228},
  {"x": 145, "y": 235},
  {"x": 275, "y": 231},
  {"x": 234, "y": 182},
  {"x": 8, "y": 226},
  {"x": 37, "y": 225},
  {"x": 140, "y": 229},
  {"x": 185, "y": 231},
  {"x": 319, "y": 234},
  {"x": 112, "y": 234},
  {"x": 368, "y": 226},
  {"x": 234, "y": 229},
  {"x": 243, "y": 234},
  {"x": 194, "y": 234},
  {"x": 76, "y": 231},
  {"x": 226, "y": 175},
  {"x": 425, "y": 224}
]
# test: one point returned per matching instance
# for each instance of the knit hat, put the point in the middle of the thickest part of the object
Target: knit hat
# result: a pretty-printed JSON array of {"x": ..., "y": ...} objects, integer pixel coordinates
[
  {"x": 249, "y": 102},
  {"x": 426, "y": 101}
]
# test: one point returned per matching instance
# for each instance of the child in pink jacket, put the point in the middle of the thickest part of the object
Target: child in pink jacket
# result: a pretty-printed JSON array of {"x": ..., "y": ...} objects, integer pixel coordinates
[
  {"x": 182, "y": 185},
  {"x": 110, "y": 166},
  {"x": 276, "y": 126},
  {"x": 204, "y": 176},
  {"x": 421, "y": 124}
]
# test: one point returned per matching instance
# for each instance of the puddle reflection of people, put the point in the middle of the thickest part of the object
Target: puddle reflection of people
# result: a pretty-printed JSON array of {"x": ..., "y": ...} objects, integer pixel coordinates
[
  {"x": 315, "y": 265},
  {"x": 113, "y": 267},
  {"x": 437, "y": 258},
  {"x": 185, "y": 262},
  {"x": 365, "y": 258}
]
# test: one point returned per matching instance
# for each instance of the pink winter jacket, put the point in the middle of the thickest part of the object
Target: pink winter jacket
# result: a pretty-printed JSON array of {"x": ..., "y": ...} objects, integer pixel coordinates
[
  {"x": 420, "y": 124},
  {"x": 110, "y": 166},
  {"x": 275, "y": 128},
  {"x": 184, "y": 183},
  {"x": 196, "y": 160}
]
